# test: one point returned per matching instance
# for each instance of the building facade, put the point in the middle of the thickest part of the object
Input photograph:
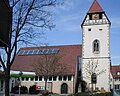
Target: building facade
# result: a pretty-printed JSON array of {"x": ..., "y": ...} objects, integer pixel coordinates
[
  {"x": 115, "y": 70},
  {"x": 64, "y": 82}
]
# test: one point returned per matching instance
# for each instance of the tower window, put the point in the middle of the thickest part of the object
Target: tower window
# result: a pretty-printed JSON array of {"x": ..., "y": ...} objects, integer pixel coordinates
[
  {"x": 96, "y": 46},
  {"x": 89, "y": 29},
  {"x": 90, "y": 16},
  {"x": 100, "y": 29},
  {"x": 100, "y": 16}
]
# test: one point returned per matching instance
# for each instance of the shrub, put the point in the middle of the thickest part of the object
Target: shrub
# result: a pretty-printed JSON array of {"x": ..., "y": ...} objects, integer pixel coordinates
[
  {"x": 103, "y": 94},
  {"x": 32, "y": 90},
  {"x": 23, "y": 90},
  {"x": 95, "y": 94}
]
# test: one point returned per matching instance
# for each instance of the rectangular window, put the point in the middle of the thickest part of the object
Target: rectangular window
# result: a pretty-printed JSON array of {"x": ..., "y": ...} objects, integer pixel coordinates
[
  {"x": 26, "y": 52},
  {"x": 116, "y": 79},
  {"x": 100, "y": 29},
  {"x": 54, "y": 78},
  {"x": 36, "y": 78},
  {"x": 64, "y": 78},
  {"x": 30, "y": 51},
  {"x": 40, "y": 51},
  {"x": 69, "y": 78},
  {"x": 60, "y": 78},
  {"x": 90, "y": 16},
  {"x": 117, "y": 87},
  {"x": 22, "y": 78},
  {"x": 45, "y": 78},
  {"x": 50, "y": 78},
  {"x": 31, "y": 79},
  {"x": 35, "y": 51},
  {"x": 40, "y": 78},
  {"x": 27, "y": 78},
  {"x": 21, "y": 52}
]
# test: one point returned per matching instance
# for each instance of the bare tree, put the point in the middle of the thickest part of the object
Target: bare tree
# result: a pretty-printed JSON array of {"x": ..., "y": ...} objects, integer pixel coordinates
[
  {"x": 92, "y": 71},
  {"x": 27, "y": 16},
  {"x": 49, "y": 65}
]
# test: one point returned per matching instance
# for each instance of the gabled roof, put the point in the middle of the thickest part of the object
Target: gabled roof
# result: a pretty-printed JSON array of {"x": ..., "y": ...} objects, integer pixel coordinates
[
  {"x": 95, "y": 7},
  {"x": 69, "y": 52},
  {"x": 115, "y": 70}
]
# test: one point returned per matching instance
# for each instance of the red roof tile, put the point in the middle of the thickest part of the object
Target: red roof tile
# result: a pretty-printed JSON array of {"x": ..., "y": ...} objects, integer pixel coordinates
[
  {"x": 114, "y": 70},
  {"x": 69, "y": 52},
  {"x": 95, "y": 7}
]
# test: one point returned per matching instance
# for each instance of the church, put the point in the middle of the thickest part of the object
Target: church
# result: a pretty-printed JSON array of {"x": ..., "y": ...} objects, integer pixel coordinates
[{"x": 88, "y": 65}]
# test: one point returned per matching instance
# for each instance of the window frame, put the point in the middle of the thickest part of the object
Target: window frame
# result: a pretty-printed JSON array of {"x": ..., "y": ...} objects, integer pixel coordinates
[{"x": 96, "y": 48}]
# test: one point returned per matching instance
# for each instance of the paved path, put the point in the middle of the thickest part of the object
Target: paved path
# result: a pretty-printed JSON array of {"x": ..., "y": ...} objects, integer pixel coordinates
[{"x": 116, "y": 93}]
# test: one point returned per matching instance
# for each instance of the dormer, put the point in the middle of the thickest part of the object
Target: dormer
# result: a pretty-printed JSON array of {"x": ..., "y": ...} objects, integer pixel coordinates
[{"x": 95, "y": 15}]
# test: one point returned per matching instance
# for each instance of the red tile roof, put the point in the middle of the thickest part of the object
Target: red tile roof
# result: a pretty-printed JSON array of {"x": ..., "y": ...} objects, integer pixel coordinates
[
  {"x": 114, "y": 70},
  {"x": 95, "y": 7},
  {"x": 69, "y": 53}
]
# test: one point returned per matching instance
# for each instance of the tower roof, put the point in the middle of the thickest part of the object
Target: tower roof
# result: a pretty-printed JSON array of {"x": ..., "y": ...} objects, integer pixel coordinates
[{"x": 95, "y": 7}]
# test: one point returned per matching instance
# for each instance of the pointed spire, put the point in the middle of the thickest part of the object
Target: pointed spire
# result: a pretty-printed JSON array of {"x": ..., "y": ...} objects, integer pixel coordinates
[{"x": 95, "y": 7}]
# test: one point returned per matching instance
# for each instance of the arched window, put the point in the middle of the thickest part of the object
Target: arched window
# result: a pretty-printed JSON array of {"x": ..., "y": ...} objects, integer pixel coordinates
[
  {"x": 64, "y": 88},
  {"x": 94, "y": 78},
  {"x": 96, "y": 46}
]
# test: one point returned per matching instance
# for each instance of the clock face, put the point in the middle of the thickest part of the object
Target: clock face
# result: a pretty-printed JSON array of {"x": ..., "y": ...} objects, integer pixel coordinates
[{"x": 95, "y": 16}]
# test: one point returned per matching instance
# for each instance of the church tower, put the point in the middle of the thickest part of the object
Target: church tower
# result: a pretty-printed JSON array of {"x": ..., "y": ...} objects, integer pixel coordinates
[{"x": 96, "y": 49}]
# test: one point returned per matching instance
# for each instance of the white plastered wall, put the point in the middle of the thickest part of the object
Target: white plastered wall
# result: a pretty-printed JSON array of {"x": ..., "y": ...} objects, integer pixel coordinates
[{"x": 101, "y": 33}]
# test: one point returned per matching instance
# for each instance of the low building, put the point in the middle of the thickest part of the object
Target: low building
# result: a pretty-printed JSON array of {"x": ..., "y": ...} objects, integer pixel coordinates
[
  {"x": 115, "y": 70},
  {"x": 65, "y": 82}
]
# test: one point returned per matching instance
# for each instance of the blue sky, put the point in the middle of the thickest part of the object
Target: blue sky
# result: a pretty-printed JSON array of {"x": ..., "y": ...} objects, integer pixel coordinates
[{"x": 68, "y": 19}]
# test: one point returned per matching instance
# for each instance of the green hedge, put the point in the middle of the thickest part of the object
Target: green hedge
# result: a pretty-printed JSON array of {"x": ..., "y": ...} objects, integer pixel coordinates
[{"x": 25, "y": 76}]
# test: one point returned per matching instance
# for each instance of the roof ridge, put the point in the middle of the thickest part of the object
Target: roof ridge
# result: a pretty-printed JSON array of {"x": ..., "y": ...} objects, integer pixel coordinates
[
  {"x": 115, "y": 65},
  {"x": 51, "y": 46}
]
